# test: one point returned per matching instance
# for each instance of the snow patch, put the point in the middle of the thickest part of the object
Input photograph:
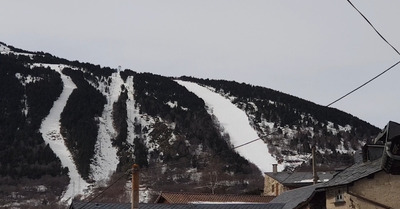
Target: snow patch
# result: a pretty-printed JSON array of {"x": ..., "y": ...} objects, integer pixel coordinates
[
  {"x": 4, "y": 49},
  {"x": 331, "y": 128},
  {"x": 347, "y": 128},
  {"x": 172, "y": 104},
  {"x": 27, "y": 79},
  {"x": 41, "y": 188},
  {"x": 311, "y": 180}
]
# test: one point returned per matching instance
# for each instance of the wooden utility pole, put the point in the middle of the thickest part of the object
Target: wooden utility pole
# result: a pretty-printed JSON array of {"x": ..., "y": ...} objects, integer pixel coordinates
[
  {"x": 135, "y": 187},
  {"x": 314, "y": 169}
]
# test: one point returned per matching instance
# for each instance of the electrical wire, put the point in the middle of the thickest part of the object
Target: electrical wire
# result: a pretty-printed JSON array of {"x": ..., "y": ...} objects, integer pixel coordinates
[
  {"x": 362, "y": 85},
  {"x": 380, "y": 74},
  {"x": 102, "y": 192},
  {"x": 369, "y": 22}
]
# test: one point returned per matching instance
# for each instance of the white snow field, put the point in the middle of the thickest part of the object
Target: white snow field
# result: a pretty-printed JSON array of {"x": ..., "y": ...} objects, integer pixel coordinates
[
  {"x": 235, "y": 122},
  {"x": 105, "y": 160},
  {"x": 50, "y": 130}
]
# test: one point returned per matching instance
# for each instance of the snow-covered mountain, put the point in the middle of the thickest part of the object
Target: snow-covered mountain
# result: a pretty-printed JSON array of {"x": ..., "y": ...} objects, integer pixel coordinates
[{"x": 72, "y": 128}]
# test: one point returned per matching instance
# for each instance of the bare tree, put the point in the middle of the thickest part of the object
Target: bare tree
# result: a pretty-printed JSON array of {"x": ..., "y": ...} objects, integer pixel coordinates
[{"x": 212, "y": 181}]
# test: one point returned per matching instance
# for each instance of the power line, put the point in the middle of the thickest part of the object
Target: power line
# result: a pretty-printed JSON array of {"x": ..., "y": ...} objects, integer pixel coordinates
[
  {"x": 366, "y": 19},
  {"x": 254, "y": 140},
  {"x": 362, "y": 85},
  {"x": 102, "y": 192},
  {"x": 380, "y": 74}
]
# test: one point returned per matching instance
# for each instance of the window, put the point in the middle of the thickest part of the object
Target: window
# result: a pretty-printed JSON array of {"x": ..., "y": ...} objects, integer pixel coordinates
[
  {"x": 272, "y": 188},
  {"x": 339, "y": 197}
]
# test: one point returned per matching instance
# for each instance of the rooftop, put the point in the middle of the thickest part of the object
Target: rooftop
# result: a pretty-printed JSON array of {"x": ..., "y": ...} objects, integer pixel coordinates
[
  {"x": 354, "y": 173},
  {"x": 186, "y": 198},
  {"x": 294, "y": 198},
  {"x": 300, "y": 178}
]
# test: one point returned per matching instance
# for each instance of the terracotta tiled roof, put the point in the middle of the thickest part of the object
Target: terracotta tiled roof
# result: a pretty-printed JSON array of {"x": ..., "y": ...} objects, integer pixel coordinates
[{"x": 185, "y": 198}]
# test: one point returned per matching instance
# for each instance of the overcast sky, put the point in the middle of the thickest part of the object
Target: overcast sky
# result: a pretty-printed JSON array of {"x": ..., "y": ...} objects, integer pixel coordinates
[{"x": 313, "y": 49}]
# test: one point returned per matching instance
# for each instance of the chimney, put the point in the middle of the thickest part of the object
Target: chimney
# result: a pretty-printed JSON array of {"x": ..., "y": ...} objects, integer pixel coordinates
[
  {"x": 365, "y": 153},
  {"x": 275, "y": 168},
  {"x": 315, "y": 176},
  {"x": 135, "y": 187}
]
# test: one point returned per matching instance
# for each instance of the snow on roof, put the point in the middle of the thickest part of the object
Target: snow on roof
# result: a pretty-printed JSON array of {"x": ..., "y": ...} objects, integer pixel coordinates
[{"x": 291, "y": 179}]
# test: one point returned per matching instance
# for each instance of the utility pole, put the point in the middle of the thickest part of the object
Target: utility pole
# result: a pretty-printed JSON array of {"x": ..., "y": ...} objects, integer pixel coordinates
[
  {"x": 135, "y": 187},
  {"x": 315, "y": 176}
]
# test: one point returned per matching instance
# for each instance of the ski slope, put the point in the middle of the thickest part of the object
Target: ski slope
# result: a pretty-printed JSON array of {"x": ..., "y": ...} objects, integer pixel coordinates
[
  {"x": 105, "y": 160},
  {"x": 235, "y": 122},
  {"x": 50, "y": 130}
]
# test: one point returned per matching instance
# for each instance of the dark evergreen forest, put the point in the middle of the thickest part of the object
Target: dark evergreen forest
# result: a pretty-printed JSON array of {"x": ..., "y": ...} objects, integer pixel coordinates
[
  {"x": 23, "y": 152},
  {"x": 78, "y": 120}
]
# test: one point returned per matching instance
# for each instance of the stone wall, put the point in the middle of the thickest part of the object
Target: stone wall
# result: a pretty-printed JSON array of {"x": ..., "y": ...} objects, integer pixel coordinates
[{"x": 272, "y": 187}]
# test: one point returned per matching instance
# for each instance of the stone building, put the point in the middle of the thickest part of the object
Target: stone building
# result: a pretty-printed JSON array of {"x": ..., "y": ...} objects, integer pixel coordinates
[{"x": 275, "y": 183}]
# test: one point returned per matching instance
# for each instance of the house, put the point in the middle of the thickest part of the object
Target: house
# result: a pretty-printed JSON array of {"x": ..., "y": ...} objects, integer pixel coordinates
[
  {"x": 92, "y": 205},
  {"x": 372, "y": 183},
  {"x": 364, "y": 185},
  {"x": 190, "y": 198},
  {"x": 275, "y": 183}
]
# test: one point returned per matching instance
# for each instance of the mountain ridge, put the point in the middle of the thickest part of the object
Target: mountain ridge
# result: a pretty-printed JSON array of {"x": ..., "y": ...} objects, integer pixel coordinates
[{"x": 155, "y": 121}]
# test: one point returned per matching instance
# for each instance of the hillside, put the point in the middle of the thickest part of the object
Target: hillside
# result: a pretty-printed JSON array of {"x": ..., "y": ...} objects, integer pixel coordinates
[
  {"x": 71, "y": 128},
  {"x": 291, "y": 125}
]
